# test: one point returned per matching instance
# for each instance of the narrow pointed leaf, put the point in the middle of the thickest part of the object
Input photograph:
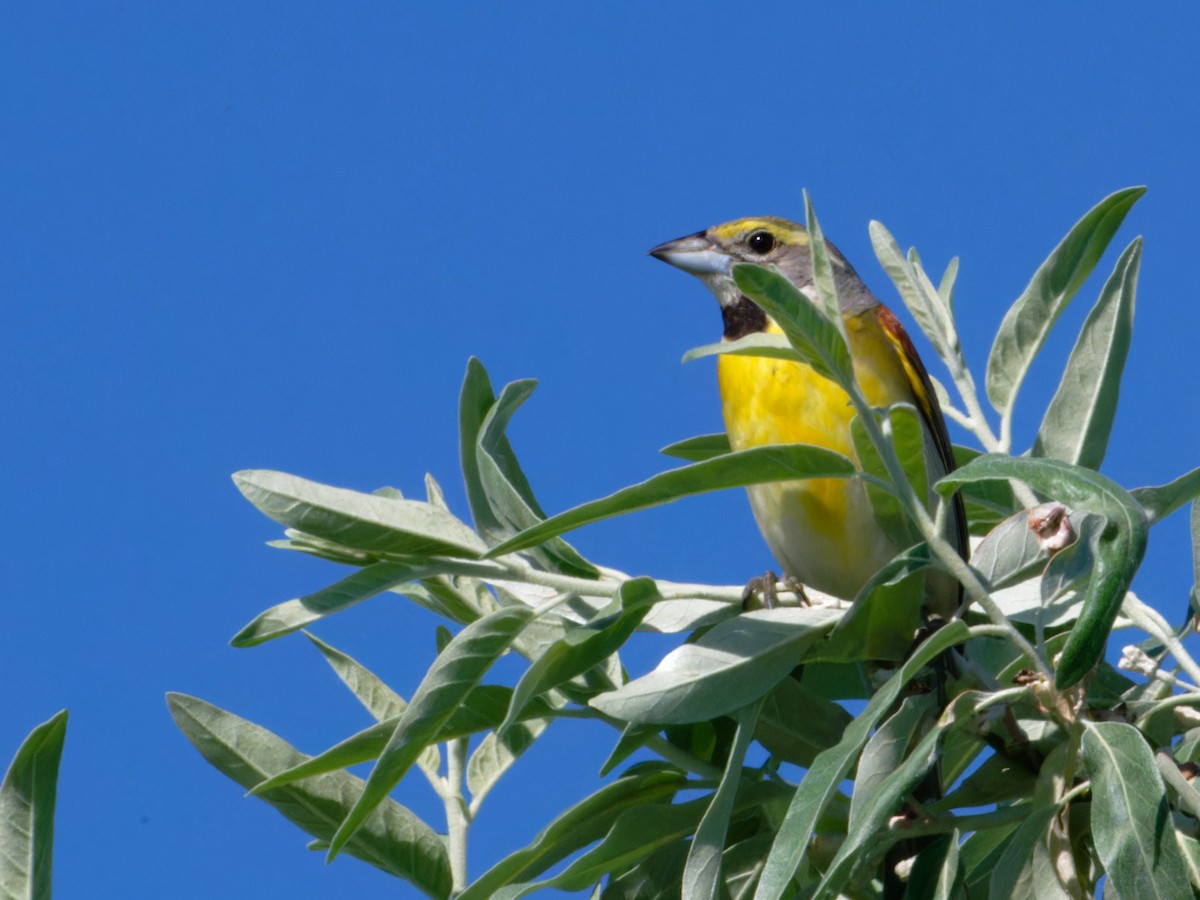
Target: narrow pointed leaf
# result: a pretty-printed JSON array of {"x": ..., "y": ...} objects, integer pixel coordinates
[
  {"x": 908, "y": 442},
  {"x": 831, "y": 767},
  {"x": 699, "y": 448},
  {"x": 771, "y": 346},
  {"x": 936, "y": 873},
  {"x": 378, "y": 699},
  {"x": 365, "y": 522},
  {"x": 868, "y": 833},
  {"x": 292, "y": 615},
  {"x": 453, "y": 675},
  {"x": 731, "y": 665},
  {"x": 391, "y": 838},
  {"x": 923, "y": 302},
  {"x": 1028, "y": 322},
  {"x": 1162, "y": 500},
  {"x": 822, "y": 268},
  {"x": 27, "y": 799},
  {"x": 797, "y": 723},
  {"x": 755, "y": 466},
  {"x": 483, "y": 709},
  {"x": 702, "y": 873},
  {"x": 1131, "y": 820},
  {"x": 946, "y": 287},
  {"x": 886, "y": 750},
  {"x": 1021, "y": 869},
  {"x": 1079, "y": 419},
  {"x": 988, "y": 503},
  {"x": 582, "y": 648},
  {"x": 639, "y": 833},
  {"x": 508, "y": 491},
  {"x": 816, "y": 338},
  {"x": 577, "y": 827},
  {"x": 475, "y": 399},
  {"x": 1194, "y": 600},
  {"x": 496, "y": 754},
  {"x": 327, "y": 550}
]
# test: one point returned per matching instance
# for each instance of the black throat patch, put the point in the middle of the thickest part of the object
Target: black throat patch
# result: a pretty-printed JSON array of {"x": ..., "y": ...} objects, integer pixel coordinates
[{"x": 743, "y": 318}]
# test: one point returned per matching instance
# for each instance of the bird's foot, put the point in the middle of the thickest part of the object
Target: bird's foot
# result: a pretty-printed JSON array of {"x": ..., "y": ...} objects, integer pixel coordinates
[{"x": 763, "y": 592}]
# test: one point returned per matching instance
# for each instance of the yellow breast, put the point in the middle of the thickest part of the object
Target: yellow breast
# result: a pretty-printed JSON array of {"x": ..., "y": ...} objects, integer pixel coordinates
[{"x": 823, "y": 530}]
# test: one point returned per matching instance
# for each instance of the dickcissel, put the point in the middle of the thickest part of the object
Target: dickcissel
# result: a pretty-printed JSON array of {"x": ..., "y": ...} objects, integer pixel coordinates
[{"x": 822, "y": 532}]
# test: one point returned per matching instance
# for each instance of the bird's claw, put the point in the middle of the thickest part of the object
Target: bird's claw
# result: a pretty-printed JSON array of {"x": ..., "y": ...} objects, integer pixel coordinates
[{"x": 762, "y": 592}]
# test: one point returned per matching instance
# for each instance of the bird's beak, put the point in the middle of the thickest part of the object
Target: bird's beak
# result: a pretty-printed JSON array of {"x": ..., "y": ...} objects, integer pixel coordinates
[{"x": 694, "y": 254}]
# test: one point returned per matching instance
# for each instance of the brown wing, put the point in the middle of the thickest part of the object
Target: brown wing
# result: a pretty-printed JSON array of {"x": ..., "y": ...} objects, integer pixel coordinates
[{"x": 931, "y": 411}]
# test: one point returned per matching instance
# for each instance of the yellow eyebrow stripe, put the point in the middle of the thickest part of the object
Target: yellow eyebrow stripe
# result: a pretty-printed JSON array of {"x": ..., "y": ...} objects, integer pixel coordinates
[{"x": 787, "y": 232}]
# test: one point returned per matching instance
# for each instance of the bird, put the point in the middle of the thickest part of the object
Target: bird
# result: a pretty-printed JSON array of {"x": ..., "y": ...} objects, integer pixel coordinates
[{"x": 822, "y": 532}]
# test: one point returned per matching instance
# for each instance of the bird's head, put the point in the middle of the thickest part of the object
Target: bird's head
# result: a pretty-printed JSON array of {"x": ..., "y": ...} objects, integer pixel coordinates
[{"x": 711, "y": 254}]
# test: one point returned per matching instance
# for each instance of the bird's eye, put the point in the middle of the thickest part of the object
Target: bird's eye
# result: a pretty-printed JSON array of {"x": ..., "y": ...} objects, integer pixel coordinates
[{"x": 761, "y": 242}]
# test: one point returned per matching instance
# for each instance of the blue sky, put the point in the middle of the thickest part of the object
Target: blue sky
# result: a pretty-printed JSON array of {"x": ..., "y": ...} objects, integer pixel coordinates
[{"x": 270, "y": 235}]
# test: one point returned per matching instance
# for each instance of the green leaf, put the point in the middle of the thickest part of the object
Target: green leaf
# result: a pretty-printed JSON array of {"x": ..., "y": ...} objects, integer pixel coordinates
[
  {"x": 1159, "y": 502},
  {"x": 292, "y": 615},
  {"x": 365, "y": 522},
  {"x": 453, "y": 675},
  {"x": 980, "y": 853},
  {"x": 579, "y": 826},
  {"x": 822, "y": 269},
  {"x": 1021, "y": 870},
  {"x": 1011, "y": 552},
  {"x": 730, "y": 666},
  {"x": 816, "y": 338},
  {"x": 1131, "y": 821},
  {"x": 327, "y": 550},
  {"x": 635, "y": 835},
  {"x": 946, "y": 287},
  {"x": 936, "y": 873},
  {"x": 999, "y": 779},
  {"x": 770, "y": 346},
  {"x": 632, "y": 739},
  {"x": 582, "y": 648},
  {"x": 658, "y": 876},
  {"x": 508, "y": 492},
  {"x": 830, "y": 768},
  {"x": 27, "y": 798},
  {"x": 903, "y": 427},
  {"x": 1187, "y": 797},
  {"x": 1191, "y": 853},
  {"x": 886, "y": 750},
  {"x": 928, "y": 308},
  {"x": 884, "y": 617},
  {"x": 868, "y": 834},
  {"x": 699, "y": 448},
  {"x": 483, "y": 709},
  {"x": 988, "y": 503},
  {"x": 1119, "y": 552},
  {"x": 702, "y": 873},
  {"x": 379, "y": 700},
  {"x": 496, "y": 754},
  {"x": 797, "y": 723},
  {"x": 391, "y": 838},
  {"x": 755, "y": 466},
  {"x": 1079, "y": 418},
  {"x": 1194, "y": 597},
  {"x": 639, "y": 833},
  {"x": 1028, "y": 322},
  {"x": 475, "y": 400}
]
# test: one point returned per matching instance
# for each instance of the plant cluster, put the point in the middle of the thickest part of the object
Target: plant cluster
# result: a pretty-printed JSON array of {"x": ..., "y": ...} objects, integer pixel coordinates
[{"x": 778, "y": 752}]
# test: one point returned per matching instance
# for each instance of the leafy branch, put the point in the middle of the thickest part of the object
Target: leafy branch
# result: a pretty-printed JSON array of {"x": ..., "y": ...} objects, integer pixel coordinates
[{"x": 730, "y": 760}]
